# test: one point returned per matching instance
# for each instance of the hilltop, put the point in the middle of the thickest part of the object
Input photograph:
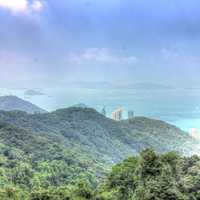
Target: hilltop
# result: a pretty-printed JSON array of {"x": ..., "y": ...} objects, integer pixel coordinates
[{"x": 10, "y": 103}]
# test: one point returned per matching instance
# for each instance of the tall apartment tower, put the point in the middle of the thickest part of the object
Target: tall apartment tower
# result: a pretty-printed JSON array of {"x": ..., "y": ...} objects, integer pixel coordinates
[
  {"x": 117, "y": 114},
  {"x": 130, "y": 114}
]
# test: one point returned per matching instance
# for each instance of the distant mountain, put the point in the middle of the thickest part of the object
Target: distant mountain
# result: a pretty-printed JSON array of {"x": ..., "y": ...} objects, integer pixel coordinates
[
  {"x": 149, "y": 86},
  {"x": 11, "y": 103},
  {"x": 118, "y": 85}
]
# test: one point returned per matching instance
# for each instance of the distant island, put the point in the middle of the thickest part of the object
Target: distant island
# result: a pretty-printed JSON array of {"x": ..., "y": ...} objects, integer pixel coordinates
[{"x": 33, "y": 93}]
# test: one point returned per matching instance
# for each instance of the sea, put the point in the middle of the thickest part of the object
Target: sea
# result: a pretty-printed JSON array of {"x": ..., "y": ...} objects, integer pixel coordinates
[{"x": 180, "y": 107}]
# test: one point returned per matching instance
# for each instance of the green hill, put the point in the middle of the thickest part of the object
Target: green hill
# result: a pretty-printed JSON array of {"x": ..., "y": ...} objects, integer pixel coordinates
[
  {"x": 64, "y": 147},
  {"x": 109, "y": 141}
]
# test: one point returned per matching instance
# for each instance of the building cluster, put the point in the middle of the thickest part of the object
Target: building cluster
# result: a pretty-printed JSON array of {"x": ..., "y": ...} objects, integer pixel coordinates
[{"x": 117, "y": 114}]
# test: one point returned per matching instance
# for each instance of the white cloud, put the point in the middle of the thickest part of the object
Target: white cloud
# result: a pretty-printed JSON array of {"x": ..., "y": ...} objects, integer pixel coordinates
[
  {"x": 100, "y": 55},
  {"x": 169, "y": 53},
  {"x": 37, "y": 6},
  {"x": 22, "y": 6},
  {"x": 14, "y": 5}
]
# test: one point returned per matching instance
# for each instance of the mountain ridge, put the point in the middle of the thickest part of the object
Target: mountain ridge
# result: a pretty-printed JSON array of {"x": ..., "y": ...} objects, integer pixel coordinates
[
  {"x": 104, "y": 137},
  {"x": 11, "y": 103}
]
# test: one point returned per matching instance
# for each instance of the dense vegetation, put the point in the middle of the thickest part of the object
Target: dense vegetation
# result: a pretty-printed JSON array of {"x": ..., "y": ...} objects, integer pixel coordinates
[
  {"x": 29, "y": 162},
  {"x": 67, "y": 154},
  {"x": 153, "y": 177},
  {"x": 148, "y": 176}
]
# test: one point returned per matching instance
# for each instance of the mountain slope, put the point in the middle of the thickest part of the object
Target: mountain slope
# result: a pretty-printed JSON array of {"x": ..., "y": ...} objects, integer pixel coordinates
[
  {"x": 107, "y": 140},
  {"x": 39, "y": 151},
  {"x": 9, "y": 103},
  {"x": 161, "y": 136},
  {"x": 42, "y": 159}
]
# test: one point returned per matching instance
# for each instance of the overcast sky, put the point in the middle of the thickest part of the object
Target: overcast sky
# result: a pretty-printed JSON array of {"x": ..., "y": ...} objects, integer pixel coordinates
[{"x": 100, "y": 40}]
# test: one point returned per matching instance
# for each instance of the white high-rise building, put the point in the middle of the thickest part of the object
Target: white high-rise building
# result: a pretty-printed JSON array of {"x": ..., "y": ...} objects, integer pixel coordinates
[{"x": 117, "y": 114}]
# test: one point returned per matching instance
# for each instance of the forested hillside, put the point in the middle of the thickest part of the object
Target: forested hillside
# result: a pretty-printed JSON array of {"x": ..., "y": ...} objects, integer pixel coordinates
[
  {"x": 67, "y": 154},
  {"x": 109, "y": 141},
  {"x": 143, "y": 177},
  {"x": 151, "y": 176}
]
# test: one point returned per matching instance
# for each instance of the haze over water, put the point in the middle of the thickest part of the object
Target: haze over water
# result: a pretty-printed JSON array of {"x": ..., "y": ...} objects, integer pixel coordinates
[{"x": 180, "y": 107}]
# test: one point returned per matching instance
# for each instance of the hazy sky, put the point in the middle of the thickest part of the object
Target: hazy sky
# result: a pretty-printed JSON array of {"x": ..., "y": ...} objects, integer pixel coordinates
[{"x": 100, "y": 40}]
